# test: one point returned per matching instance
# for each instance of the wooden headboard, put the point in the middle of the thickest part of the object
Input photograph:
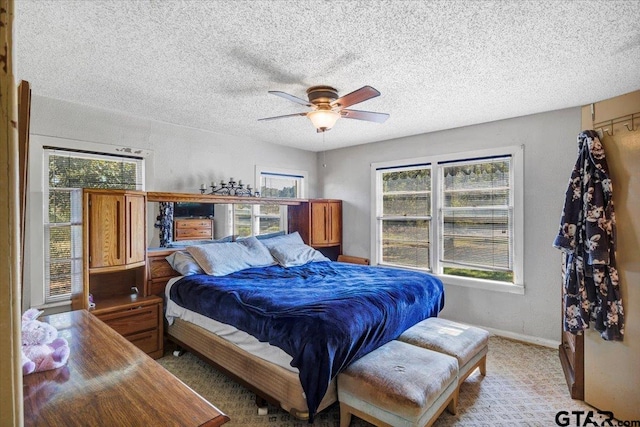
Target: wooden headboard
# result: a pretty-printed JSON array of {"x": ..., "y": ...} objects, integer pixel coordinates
[{"x": 159, "y": 271}]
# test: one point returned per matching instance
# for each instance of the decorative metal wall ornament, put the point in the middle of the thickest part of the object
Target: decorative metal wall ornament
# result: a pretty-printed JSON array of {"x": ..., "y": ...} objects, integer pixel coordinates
[{"x": 231, "y": 188}]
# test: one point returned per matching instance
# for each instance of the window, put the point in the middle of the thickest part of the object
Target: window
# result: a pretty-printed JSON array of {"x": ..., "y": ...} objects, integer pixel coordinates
[
  {"x": 406, "y": 216},
  {"x": 67, "y": 173},
  {"x": 456, "y": 216},
  {"x": 476, "y": 225},
  {"x": 263, "y": 219}
]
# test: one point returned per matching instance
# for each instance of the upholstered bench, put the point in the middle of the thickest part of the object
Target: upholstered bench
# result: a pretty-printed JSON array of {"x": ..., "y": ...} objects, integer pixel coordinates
[
  {"x": 466, "y": 343},
  {"x": 398, "y": 384}
]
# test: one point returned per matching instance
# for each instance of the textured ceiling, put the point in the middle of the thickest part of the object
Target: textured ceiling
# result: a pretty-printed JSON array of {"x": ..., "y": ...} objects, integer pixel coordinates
[{"x": 438, "y": 64}]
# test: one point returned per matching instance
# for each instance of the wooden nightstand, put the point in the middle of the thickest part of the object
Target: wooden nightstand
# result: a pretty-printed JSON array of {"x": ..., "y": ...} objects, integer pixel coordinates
[{"x": 138, "y": 319}]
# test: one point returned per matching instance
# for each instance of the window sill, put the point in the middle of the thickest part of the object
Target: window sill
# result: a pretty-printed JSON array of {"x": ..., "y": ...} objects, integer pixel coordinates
[
  {"x": 487, "y": 285},
  {"x": 54, "y": 307},
  {"x": 467, "y": 282}
]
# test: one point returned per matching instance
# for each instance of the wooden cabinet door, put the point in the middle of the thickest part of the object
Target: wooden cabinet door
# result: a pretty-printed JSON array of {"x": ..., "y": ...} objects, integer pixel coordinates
[
  {"x": 320, "y": 233},
  {"x": 106, "y": 230},
  {"x": 326, "y": 223},
  {"x": 116, "y": 228},
  {"x": 335, "y": 222},
  {"x": 135, "y": 220}
]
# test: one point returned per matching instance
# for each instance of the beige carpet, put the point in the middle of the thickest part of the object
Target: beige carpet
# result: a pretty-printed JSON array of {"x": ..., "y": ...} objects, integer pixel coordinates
[{"x": 524, "y": 386}]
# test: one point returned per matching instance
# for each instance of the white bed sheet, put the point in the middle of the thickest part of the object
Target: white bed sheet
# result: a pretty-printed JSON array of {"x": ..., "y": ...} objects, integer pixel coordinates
[{"x": 245, "y": 341}]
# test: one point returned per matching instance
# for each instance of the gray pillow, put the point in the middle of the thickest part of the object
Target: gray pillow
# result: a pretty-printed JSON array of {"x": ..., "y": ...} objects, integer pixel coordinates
[
  {"x": 290, "y": 250},
  {"x": 283, "y": 240},
  {"x": 270, "y": 235},
  {"x": 221, "y": 259},
  {"x": 293, "y": 254},
  {"x": 263, "y": 236},
  {"x": 185, "y": 243},
  {"x": 184, "y": 263}
]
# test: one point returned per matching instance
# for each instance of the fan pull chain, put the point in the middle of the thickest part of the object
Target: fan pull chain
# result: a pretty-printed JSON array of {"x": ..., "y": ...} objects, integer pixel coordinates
[{"x": 324, "y": 152}]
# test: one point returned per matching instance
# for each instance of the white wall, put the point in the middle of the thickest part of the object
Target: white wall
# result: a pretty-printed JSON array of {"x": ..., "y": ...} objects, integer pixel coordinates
[
  {"x": 181, "y": 158},
  {"x": 184, "y": 157},
  {"x": 549, "y": 155}
]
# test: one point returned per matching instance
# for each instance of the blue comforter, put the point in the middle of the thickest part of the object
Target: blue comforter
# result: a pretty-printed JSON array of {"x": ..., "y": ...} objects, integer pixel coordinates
[{"x": 325, "y": 315}]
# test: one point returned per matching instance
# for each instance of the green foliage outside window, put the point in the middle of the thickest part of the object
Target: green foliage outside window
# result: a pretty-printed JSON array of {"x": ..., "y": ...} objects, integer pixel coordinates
[{"x": 500, "y": 276}]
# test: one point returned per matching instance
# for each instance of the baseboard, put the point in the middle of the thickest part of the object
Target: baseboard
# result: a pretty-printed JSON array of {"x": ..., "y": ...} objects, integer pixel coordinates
[
  {"x": 524, "y": 338},
  {"x": 515, "y": 336}
]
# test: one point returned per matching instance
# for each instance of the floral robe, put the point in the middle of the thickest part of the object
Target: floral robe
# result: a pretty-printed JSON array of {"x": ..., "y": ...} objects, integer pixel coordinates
[
  {"x": 164, "y": 221},
  {"x": 587, "y": 238}
]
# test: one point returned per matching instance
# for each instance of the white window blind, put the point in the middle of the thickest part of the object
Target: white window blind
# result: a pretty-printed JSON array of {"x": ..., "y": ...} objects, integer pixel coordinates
[
  {"x": 455, "y": 215},
  {"x": 476, "y": 221},
  {"x": 405, "y": 217}
]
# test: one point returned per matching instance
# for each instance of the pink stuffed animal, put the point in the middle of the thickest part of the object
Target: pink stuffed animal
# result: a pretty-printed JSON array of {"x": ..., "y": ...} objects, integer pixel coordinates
[{"x": 41, "y": 349}]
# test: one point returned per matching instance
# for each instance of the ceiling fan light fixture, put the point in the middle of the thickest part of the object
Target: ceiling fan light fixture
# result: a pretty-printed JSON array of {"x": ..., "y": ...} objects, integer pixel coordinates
[
  {"x": 323, "y": 120},
  {"x": 327, "y": 107}
]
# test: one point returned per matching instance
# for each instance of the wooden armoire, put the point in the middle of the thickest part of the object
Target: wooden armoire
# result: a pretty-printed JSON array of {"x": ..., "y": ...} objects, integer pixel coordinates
[{"x": 319, "y": 222}]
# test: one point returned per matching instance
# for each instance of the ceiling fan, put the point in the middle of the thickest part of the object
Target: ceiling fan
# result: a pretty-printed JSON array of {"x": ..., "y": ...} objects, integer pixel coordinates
[{"x": 327, "y": 107}]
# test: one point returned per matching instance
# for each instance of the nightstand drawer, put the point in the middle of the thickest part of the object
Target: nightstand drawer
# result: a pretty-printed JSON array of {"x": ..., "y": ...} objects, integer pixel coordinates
[
  {"x": 192, "y": 229},
  {"x": 193, "y": 232},
  {"x": 134, "y": 320},
  {"x": 146, "y": 341},
  {"x": 193, "y": 223},
  {"x": 160, "y": 268}
]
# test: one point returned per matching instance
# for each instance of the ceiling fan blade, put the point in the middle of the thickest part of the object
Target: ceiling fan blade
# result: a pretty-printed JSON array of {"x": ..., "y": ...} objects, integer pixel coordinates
[
  {"x": 355, "y": 97},
  {"x": 369, "y": 116},
  {"x": 282, "y": 117},
  {"x": 291, "y": 98}
]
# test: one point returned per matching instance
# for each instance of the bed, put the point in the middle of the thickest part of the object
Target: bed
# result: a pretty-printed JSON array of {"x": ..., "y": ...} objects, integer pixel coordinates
[{"x": 285, "y": 332}]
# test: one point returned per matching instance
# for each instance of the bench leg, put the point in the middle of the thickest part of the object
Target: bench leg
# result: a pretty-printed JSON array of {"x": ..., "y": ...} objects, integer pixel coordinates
[
  {"x": 345, "y": 416},
  {"x": 452, "y": 407},
  {"x": 483, "y": 365}
]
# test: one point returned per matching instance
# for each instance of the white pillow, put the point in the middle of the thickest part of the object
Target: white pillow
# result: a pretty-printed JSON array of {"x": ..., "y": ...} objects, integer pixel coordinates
[
  {"x": 220, "y": 259},
  {"x": 184, "y": 263}
]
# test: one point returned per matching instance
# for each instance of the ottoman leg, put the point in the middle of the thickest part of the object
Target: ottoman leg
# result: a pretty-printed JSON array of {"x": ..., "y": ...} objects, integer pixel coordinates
[
  {"x": 452, "y": 407},
  {"x": 345, "y": 415},
  {"x": 483, "y": 366}
]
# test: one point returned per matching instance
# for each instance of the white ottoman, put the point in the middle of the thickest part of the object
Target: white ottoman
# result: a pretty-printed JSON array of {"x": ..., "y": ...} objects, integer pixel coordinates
[
  {"x": 398, "y": 384},
  {"x": 466, "y": 343}
]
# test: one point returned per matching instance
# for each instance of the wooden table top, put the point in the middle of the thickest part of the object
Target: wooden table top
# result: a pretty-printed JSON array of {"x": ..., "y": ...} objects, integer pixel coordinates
[{"x": 109, "y": 382}]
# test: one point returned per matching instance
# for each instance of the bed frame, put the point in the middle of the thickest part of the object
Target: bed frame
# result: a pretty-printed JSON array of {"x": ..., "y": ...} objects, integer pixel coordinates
[{"x": 269, "y": 382}]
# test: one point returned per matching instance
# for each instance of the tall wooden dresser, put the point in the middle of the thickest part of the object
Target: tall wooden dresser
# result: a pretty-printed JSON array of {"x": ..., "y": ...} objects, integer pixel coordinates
[{"x": 114, "y": 242}]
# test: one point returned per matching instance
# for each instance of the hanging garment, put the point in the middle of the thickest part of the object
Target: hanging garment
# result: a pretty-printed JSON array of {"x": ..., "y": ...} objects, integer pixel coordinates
[
  {"x": 164, "y": 221},
  {"x": 587, "y": 238}
]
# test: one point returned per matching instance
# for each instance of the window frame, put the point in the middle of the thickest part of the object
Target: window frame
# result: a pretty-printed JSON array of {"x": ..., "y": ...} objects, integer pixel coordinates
[
  {"x": 35, "y": 293},
  {"x": 255, "y": 209},
  {"x": 437, "y": 162},
  {"x": 381, "y": 218}
]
